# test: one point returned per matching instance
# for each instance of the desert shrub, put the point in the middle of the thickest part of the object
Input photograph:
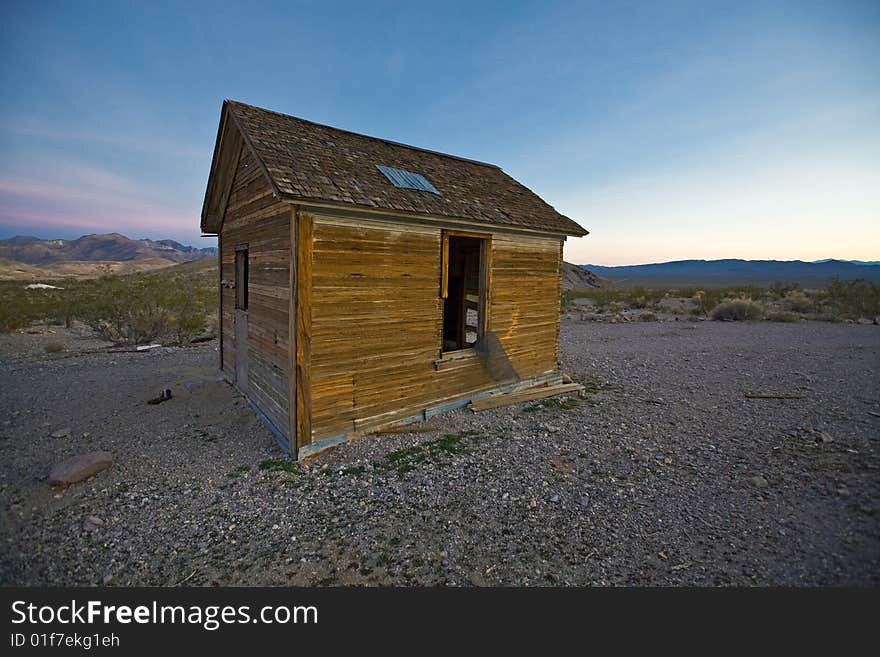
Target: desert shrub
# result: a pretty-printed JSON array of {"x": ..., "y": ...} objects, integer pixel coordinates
[
  {"x": 797, "y": 301},
  {"x": 841, "y": 300},
  {"x": 148, "y": 306},
  {"x": 53, "y": 347},
  {"x": 781, "y": 290},
  {"x": 128, "y": 308},
  {"x": 19, "y": 307},
  {"x": 188, "y": 314},
  {"x": 738, "y": 309},
  {"x": 135, "y": 308},
  {"x": 782, "y": 316},
  {"x": 706, "y": 300},
  {"x": 15, "y": 307},
  {"x": 566, "y": 300},
  {"x": 850, "y": 299},
  {"x": 603, "y": 297},
  {"x": 648, "y": 317}
]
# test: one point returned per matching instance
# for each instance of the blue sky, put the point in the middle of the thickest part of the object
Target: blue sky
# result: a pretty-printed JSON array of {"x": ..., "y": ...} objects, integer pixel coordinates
[{"x": 669, "y": 130}]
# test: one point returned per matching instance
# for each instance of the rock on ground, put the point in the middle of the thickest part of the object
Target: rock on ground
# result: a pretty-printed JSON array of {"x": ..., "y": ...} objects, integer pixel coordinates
[{"x": 79, "y": 468}]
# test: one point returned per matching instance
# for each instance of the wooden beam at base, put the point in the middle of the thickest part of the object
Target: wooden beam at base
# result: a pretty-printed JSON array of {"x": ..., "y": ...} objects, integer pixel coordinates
[{"x": 529, "y": 394}]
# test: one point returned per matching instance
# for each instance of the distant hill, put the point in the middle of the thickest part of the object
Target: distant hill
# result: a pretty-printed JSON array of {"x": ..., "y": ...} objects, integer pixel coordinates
[
  {"x": 12, "y": 270},
  {"x": 575, "y": 278},
  {"x": 110, "y": 247},
  {"x": 719, "y": 273},
  {"x": 855, "y": 262}
]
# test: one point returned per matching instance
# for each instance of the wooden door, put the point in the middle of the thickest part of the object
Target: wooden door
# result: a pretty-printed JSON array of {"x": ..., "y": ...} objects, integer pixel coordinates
[{"x": 241, "y": 319}]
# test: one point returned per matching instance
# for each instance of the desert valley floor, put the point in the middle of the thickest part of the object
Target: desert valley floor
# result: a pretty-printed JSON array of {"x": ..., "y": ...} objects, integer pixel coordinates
[{"x": 665, "y": 474}]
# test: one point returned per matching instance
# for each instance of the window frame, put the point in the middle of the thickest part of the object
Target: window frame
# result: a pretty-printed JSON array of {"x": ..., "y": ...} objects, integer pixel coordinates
[{"x": 483, "y": 303}]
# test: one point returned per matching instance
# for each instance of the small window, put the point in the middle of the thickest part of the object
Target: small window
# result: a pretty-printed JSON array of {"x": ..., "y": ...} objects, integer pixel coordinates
[
  {"x": 241, "y": 279},
  {"x": 464, "y": 289}
]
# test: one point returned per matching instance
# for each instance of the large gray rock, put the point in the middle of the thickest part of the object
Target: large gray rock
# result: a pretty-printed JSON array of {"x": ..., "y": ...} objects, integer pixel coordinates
[
  {"x": 79, "y": 468},
  {"x": 578, "y": 278}
]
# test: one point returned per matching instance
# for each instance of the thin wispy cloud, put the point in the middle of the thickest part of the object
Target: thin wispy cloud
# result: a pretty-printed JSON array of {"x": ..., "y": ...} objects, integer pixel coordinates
[
  {"x": 154, "y": 145},
  {"x": 94, "y": 197}
]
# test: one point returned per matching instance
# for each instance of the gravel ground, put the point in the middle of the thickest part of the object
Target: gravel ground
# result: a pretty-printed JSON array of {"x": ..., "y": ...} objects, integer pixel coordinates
[{"x": 664, "y": 475}]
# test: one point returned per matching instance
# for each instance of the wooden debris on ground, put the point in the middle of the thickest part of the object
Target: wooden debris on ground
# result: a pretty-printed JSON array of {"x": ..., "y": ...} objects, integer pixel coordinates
[{"x": 527, "y": 394}]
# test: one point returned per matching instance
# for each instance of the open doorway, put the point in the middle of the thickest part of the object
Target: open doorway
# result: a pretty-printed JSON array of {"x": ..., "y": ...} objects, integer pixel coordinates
[{"x": 464, "y": 290}]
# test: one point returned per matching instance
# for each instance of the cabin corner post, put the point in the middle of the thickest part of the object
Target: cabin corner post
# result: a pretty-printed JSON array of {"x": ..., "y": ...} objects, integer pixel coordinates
[
  {"x": 559, "y": 292},
  {"x": 304, "y": 246},
  {"x": 292, "y": 341}
]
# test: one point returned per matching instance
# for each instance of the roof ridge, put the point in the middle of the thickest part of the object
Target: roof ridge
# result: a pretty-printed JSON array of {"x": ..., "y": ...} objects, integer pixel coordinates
[{"x": 360, "y": 134}]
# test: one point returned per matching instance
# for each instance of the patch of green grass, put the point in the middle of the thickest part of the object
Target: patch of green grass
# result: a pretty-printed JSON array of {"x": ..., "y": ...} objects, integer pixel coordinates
[
  {"x": 552, "y": 403},
  {"x": 283, "y": 465},
  {"x": 353, "y": 471},
  {"x": 408, "y": 459},
  {"x": 591, "y": 387},
  {"x": 239, "y": 471}
]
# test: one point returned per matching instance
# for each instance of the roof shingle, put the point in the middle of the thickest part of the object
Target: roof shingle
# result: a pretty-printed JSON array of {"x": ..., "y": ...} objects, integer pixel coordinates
[{"x": 311, "y": 161}]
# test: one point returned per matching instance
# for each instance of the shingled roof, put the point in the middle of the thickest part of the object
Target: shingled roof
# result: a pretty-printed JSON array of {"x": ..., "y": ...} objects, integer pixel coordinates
[{"x": 312, "y": 162}]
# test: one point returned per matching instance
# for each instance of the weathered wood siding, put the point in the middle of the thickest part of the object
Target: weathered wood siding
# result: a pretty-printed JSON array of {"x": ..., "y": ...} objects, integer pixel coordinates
[
  {"x": 254, "y": 218},
  {"x": 376, "y": 320}
]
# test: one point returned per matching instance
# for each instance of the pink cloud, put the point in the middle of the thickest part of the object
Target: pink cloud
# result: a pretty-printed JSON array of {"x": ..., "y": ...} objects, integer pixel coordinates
[
  {"x": 92, "y": 198},
  {"x": 54, "y": 192}
]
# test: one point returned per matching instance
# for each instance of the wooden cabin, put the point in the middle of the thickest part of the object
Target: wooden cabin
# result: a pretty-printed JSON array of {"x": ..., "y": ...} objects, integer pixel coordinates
[{"x": 365, "y": 283}]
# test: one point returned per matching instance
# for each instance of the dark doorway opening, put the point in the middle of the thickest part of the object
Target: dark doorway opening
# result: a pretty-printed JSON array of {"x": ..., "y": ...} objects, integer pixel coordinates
[{"x": 464, "y": 307}]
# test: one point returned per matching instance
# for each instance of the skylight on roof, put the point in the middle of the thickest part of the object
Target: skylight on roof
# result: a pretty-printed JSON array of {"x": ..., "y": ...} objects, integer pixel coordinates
[{"x": 407, "y": 179}]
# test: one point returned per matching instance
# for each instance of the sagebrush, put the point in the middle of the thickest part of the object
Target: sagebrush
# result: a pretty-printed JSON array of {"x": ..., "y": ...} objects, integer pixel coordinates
[
  {"x": 738, "y": 310},
  {"x": 135, "y": 308}
]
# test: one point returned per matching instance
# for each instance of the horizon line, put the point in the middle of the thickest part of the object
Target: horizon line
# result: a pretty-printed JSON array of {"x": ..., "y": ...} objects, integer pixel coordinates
[{"x": 582, "y": 264}]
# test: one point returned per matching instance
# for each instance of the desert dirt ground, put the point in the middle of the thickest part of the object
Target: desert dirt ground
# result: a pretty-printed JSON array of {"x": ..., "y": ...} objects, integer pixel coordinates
[{"x": 666, "y": 474}]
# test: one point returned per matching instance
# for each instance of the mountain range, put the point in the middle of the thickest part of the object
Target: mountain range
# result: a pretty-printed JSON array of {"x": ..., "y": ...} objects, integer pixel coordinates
[
  {"x": 110, "y": 247},
  {"x": 720, "y": 273},
  {"x": 26, "y": 257}
]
